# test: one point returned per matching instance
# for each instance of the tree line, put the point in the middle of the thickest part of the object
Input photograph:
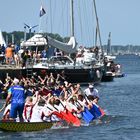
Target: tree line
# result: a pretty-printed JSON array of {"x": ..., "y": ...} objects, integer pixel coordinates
[{"x": 18, "y": 37}]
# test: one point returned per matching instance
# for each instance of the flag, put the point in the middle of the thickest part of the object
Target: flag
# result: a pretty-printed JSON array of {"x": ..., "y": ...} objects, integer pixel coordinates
[{"x": 42, "y": 11}]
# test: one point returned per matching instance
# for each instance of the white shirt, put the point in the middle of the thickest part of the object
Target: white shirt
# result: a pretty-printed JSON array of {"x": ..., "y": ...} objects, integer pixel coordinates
[
  {"x": 36, "y": 114},
  {"x": 47, "y": 109},
  {"x": 71, "y": 106},
  {"x": 94, "y": 92}
]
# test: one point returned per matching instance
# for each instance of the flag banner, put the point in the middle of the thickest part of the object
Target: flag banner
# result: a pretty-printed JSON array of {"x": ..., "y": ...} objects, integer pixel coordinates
[{"x": 42, "y": 11}]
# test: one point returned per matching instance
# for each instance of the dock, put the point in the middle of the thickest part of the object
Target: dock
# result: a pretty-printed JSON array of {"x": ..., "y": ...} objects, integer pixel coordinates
[{"x": 12, "y": 71}]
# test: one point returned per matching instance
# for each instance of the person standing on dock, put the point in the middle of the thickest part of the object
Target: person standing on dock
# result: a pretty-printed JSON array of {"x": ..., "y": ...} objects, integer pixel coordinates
[
  {"x": 9, "y": 54},
  {"x": 17, "y": 95}
]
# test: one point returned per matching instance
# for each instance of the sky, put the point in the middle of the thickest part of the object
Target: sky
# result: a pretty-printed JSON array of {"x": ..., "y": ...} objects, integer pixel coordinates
[{"x": 120, "y": 17}]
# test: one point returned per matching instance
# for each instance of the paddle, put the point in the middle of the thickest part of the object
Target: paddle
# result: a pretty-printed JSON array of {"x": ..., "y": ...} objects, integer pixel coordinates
[
  {"x": 86, "y": 115},
  {"x": 73, "y": 119},
  {"x": 102, "y": 112},
  {"x": 96, "y": 110},
  {"x": 3, "y": 107},
  {"x": 56, "y": 113},
  {"x": 69, "y": 116},
  {"x": 60, "y": 115}
]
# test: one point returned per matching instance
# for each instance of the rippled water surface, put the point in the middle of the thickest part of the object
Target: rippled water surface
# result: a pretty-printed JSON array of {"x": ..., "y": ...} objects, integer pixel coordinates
[{"x": 121, "y": 101}]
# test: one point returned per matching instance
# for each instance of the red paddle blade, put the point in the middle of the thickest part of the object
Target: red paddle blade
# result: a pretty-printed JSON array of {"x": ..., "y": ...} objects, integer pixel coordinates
[
  {"x": 102, "y": 111},
  {"x": 74, "y": 119},
  {"x": 58, "y": 114},
  {"x": 65, "y": 117},
  {"x": 68, "y": 117}
]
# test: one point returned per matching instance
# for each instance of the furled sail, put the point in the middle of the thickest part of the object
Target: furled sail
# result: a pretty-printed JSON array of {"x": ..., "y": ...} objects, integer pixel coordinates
[
  {"x": 69, "y": 47},
  {"x": 40, "y": 40}
]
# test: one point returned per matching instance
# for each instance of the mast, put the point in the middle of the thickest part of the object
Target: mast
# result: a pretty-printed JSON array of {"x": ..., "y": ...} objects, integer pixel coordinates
[
  {"x": 51, "y": 13},
  {"x": 71, "y": 18},
  {"x": 98, "y": 29},
  {"x": 24, "y": 33},
  {"x": 109, "y": 50},
  {"x": 13, "y": 38}
]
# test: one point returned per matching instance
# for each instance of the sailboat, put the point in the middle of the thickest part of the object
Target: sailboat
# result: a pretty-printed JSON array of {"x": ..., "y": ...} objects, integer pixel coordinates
[{"x": 73, "y": 72}]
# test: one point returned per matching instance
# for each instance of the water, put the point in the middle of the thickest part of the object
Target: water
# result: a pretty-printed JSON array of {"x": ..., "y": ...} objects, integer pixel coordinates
[{"x": 119, "y": 98}]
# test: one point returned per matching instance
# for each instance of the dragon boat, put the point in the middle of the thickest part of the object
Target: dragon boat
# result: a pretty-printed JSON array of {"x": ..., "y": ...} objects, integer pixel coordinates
[{"x": 24, "y": 126}]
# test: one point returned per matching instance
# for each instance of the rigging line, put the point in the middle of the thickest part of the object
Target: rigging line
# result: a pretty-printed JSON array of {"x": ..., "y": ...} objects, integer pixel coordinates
[
  {"x": 51, "y": 15},
  {"x": 88, "y": 19},
  {"x": 48, "y": 17},
  {"x": 84, "y": 21},
  {"x": 63, "y": 16},
  {"x": 61, "y": 22},
  {"x": 67, "y": 25},
  {"x": 80, "y": 19},
  {"x": 98, "y": 29},
  {"x": 87, "y": 32},
  {"x": 54, "y": 15},
  {"x": 42, "y": 19},
  {"x": 46, "y": 21},
  {"x": 93, "y": 27},
  {"x": 89, "y": 16}
]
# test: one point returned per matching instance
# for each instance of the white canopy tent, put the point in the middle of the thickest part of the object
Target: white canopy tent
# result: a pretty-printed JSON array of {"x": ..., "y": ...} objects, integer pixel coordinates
[{"x": 36, "y": 40}]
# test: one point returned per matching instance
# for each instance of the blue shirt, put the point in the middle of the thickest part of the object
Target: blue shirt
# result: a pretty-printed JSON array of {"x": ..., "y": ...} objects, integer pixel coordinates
[{"x": 18, "y": 94}]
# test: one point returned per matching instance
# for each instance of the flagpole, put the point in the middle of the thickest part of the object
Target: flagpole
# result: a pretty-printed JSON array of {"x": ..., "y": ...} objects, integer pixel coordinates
[
  {"x": 40, "y": 21},
  {"x": 51, "y": 14},
  {"x": 42, "y": 12}
]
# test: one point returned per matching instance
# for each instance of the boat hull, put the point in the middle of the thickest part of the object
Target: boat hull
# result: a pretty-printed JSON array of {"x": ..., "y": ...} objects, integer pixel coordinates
[
  {"x": 119, "y": 75},
  {"x": 108, "y": 77},
  {"x": 24, "y": 126},
  {"x": 75, "y": 75}
]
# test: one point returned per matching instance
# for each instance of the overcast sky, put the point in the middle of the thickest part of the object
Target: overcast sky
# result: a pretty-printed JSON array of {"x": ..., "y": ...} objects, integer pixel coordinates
[{"x": 120, "y": 17}]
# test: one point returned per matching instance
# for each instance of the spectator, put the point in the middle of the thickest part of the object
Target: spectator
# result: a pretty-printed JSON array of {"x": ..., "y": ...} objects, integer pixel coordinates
[{"x": 9, "y": 54}]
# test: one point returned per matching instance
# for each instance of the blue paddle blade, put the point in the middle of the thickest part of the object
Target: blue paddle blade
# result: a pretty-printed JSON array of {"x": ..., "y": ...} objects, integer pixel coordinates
[
  {"x": 92, "y": 111},
  {"x": 87, "y": 116},
  {"x": 95, "y": 111}
]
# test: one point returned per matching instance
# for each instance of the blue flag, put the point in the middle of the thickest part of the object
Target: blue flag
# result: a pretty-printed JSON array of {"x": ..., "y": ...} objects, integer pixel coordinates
[{"x": 42, "y": 11}]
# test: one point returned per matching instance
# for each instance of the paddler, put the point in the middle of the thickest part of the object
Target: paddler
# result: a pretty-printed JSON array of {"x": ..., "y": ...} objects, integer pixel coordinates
[{"x": 29, "y": 104}]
